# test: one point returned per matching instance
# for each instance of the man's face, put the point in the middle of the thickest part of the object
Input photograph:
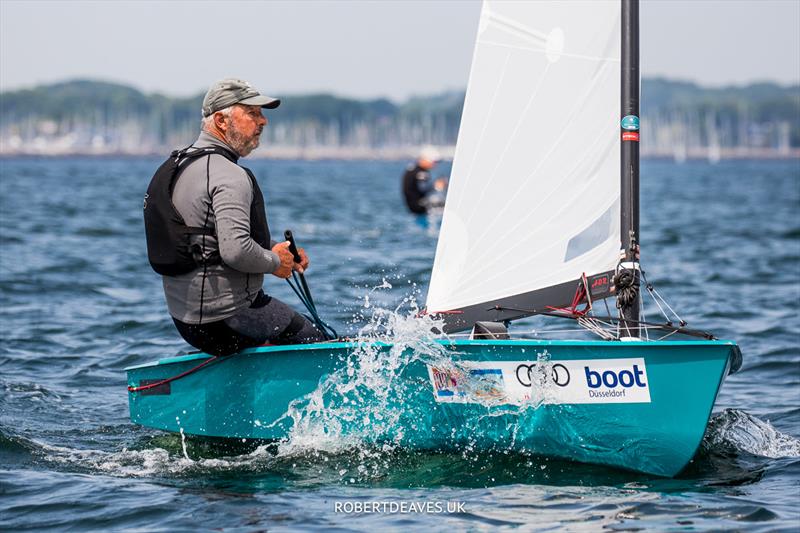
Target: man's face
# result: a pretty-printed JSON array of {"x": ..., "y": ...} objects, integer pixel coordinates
[
  {"x": 426, "y": 164},
  {"x": 244, "y": 128}
]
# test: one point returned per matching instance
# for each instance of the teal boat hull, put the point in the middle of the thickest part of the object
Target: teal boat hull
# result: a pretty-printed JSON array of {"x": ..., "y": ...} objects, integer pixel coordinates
[{"x": 640, "y": 405}]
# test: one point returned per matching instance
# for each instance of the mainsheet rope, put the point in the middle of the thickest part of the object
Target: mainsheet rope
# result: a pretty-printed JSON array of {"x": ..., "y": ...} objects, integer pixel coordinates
[{"x": 301, "y": 290}]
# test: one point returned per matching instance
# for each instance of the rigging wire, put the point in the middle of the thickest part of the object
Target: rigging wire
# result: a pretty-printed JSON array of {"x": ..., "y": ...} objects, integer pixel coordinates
[
  {"x": 644, "y": 318},
  {"x": 620, "y": 322},
  {"x": 657, "y": 297},
  {"x": 607, "y": 327}
]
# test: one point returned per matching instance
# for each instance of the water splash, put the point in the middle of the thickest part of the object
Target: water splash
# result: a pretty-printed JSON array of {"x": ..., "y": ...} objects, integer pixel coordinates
[
  {"x": 357, "y": 407},
  {"x": 735, "y": 431},
  {"x": 183, "y": 446},
  {"x": 122, "y": 463},
  {"x": 371, "y": 466},
  {"x": 379, "y": 403},
  {"x": 384, "y": 285}
]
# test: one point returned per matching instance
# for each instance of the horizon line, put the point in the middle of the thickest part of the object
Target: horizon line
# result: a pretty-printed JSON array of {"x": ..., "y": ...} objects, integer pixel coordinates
[{"x": 312, "y": 92}]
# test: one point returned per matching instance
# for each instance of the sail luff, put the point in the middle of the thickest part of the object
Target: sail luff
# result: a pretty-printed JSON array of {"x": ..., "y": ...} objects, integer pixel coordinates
[{"x": 629, "y": 154}]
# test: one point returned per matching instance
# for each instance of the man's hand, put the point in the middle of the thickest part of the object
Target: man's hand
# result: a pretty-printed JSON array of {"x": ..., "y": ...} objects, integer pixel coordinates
[
  {"x": 287, "y": 260},
  {"x": 303, "y": 264}
]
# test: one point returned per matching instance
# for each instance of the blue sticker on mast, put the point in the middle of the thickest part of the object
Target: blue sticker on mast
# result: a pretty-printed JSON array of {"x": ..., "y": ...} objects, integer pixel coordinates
[{"x": 630, "y": 123}]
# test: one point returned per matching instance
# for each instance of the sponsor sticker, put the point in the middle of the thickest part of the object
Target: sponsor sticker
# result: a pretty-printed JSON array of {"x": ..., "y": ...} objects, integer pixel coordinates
[
  {"x": 630, "y": 136},
  {"x": 480, "y": 384},
  {"x": 630, "y": 123},
  {"x": 599, "y": 284},
  {"x": 551, "y": 382}
]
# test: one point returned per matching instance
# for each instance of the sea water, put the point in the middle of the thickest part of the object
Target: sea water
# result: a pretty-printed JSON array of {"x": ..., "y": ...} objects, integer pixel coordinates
[{"x": 79, "y": 303}]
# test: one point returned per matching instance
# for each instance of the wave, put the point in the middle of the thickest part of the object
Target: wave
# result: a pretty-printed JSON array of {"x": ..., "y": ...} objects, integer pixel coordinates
[
  {"x": 736, "y": 432},
  {"x": 14, "y": 445},
  {"x": 300, "y": 461}
]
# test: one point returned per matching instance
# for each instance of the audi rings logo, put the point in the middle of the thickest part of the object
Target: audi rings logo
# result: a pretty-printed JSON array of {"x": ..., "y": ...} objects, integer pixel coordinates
[
  {"x": 524, "y": 377},
  {"x": 560, "y": 375}
]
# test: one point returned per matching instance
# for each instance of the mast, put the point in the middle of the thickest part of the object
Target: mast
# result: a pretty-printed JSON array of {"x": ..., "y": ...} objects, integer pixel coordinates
[{"x": 629, "y": 160}]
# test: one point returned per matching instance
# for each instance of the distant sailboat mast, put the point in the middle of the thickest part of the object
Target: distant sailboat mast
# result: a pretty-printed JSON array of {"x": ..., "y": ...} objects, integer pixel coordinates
[{"x": 629, "y": 156}]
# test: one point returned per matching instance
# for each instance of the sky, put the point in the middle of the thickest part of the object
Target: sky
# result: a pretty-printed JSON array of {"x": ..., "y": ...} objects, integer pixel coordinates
[{"x": 363, "y": 49}]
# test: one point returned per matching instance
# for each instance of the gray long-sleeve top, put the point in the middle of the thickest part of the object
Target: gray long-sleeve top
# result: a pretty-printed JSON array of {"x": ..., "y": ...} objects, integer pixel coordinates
[{"x": 215, "y": 192}]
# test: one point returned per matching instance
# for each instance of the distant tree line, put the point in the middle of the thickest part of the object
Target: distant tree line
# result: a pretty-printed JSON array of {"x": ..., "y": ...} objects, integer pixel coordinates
[
  {"x": 683, "y": 116},
  {"x": 98, "y": 117}
]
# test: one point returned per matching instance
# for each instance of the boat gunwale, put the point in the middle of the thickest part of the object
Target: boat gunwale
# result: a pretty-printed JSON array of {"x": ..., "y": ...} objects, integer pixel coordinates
[{"x": 734, "y": 366}]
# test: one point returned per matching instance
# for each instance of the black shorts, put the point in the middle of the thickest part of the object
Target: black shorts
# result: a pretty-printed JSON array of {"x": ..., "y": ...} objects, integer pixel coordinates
[{"x": 267, "y": 321}]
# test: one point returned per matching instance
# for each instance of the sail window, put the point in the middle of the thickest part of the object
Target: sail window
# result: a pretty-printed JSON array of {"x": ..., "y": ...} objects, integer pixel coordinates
[{"x": 594, "y": 235}]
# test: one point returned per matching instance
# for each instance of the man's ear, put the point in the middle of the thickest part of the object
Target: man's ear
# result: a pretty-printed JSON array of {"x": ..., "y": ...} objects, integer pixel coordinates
[{"x": 219, "y": 122}]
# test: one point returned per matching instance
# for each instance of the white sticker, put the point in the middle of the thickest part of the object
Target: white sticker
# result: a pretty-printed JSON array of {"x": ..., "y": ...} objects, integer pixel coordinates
[{"x": 549, "y": 382}]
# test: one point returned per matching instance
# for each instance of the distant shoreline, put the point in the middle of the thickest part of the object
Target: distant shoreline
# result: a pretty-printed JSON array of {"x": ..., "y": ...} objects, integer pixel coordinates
[
  {"x": 406, "y": 153},
  {"x": 85, "y": 118}
]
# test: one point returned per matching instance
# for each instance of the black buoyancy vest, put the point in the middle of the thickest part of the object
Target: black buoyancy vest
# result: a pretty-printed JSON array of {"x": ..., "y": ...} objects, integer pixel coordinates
[
  {"x": 411, "y": 192},
  {"x": 169, "y": 247}
]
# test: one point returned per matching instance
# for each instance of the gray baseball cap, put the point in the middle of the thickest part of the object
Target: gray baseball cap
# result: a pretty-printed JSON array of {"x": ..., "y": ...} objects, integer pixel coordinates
[{"x": 230, "y": 91}]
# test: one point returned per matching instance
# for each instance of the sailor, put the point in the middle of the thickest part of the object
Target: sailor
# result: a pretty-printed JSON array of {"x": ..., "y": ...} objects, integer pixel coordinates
[
  {"x": 419, "y": 187},
  {"x": 207, "y": 233}
]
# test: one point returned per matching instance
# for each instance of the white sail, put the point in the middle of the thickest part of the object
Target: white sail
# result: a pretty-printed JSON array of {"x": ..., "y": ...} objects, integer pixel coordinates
[{"x": 535, "y": 186}]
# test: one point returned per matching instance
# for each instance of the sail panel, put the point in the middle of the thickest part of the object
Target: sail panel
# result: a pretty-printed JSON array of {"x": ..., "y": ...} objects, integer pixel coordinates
[{"x": 534, "y": 191}]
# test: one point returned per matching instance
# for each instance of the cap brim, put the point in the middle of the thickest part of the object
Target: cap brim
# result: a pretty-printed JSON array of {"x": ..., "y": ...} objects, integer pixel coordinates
[{"x": 261, "y": 100}]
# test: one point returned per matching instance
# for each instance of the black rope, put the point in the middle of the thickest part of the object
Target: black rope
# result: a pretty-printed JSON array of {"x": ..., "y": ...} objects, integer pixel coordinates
[
  {"x": 300, "y": 288},
  {"x": 302, "y": 292},
  {"x": 626, "y": 287}
]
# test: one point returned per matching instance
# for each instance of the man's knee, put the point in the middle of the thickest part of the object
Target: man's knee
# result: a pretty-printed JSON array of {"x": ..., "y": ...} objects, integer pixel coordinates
[
  {"x": 294, "y": 327},
  {"x": 299, "y": 331}
]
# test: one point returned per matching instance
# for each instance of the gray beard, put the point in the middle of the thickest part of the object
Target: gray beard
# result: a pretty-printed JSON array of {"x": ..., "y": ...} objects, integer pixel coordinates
[{"x": 241, "y": 144}]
